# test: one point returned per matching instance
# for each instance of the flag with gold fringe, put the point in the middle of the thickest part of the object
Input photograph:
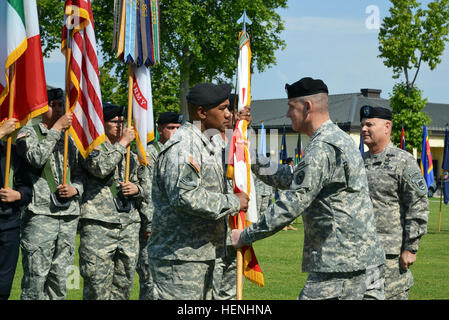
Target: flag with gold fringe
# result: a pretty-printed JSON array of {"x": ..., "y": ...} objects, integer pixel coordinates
[
  {"x": 80, "y": 48},
  {"x": 20, "y": 44},
  {"x": 239, "y": 170}
]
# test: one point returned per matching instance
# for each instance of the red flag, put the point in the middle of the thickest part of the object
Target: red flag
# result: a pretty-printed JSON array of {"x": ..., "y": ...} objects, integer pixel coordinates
[
  {"x": 239, "y": 170},
  {"x": 30, "y": 92},
  {"x": 87, "y": 128}
]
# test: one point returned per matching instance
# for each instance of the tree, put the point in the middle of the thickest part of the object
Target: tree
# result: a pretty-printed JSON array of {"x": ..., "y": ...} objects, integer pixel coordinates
[
  {"x": 409, "y": 37},
  {"x": 199, "y": 42}
]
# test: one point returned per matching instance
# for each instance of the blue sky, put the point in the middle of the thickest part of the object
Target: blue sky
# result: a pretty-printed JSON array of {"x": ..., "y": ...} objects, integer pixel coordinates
[{"x": 326, "y": 39}]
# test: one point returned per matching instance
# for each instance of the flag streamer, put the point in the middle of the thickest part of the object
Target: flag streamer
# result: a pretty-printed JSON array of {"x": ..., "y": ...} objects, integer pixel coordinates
[
  {"x": 136, "y": 39},
  {"x": 136, "y": 31}
]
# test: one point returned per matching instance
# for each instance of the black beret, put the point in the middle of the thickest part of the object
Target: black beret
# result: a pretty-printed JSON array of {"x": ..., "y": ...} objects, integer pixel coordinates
[
  {"x": 110, "y": 111},
  {"x": 169, "y": 117},
  {"x": 305, "y": 87},
  {"x": 208, "y": 95},
  {"x": 54, "y": 94},
  {"x": 375, "y": 112}
]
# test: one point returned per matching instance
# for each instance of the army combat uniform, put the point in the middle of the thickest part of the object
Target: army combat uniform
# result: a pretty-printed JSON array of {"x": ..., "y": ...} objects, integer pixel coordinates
[
  {"x": 342, "y": 252},
  {"x": 190, "y": 216},
  {"x": 108, "y": 237},
  {"x": 146, "y": 215},
  {"x": 225, "y": 271},
  {"x": 399, "y": 195},
  {"x": 48, "y": 232},
  {"x": 264, "y": 194}
]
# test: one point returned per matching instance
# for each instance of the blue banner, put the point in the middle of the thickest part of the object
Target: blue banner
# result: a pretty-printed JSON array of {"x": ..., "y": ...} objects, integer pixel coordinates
[{"x": 426, "y": 159}]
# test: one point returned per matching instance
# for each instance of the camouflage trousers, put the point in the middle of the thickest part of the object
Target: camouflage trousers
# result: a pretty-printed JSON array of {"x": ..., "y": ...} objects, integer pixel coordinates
[
  {"x": 182, "y": 280},
  {"x": 108, "y": 257},
  {"x": 225, "y": 276},
  {"x": 359, "y": 285},
  {"x": 397, "y": 281},
  {"x": 143, "y": 270},
  {"x": 48, "y": 249}
]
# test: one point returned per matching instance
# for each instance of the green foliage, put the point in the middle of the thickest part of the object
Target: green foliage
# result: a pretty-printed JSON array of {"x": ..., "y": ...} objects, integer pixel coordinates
[
  {"x": 412, "y": 35},
  {"x": 409, "y": 37},
  {"x": 199, "y": 42},
  {"x": 406, "y": 106}
]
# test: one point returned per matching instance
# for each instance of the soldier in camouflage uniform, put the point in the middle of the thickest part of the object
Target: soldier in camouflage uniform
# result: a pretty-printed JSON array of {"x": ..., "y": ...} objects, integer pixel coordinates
[
  {"x": 48, "y": 226},
  {"x": 399, "y": 195},
  {"x": 110, "y": 221},
  {"x": 342, "y": 253},
  {"x": 190, "y": 207},
  {"x": 168, "y": 123}
]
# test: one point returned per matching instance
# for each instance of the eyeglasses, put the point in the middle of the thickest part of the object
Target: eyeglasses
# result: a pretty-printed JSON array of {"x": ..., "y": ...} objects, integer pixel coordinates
[{"x": 116, "y": 121}]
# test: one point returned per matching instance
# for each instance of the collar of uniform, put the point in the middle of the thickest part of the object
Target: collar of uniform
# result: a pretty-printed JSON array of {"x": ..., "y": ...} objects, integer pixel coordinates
[
  {"x": 190, "y": 126},
  {"x": 322, "y": 128},
  {"x": 382, "y": 153},
  {"x": 43, "y": 128}
]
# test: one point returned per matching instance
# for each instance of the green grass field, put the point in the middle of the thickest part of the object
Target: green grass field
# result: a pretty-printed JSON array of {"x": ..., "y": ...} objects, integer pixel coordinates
[{"x": 280, "y": 259}]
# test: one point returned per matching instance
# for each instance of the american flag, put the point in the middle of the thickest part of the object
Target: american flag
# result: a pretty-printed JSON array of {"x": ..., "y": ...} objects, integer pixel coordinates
[{"x": 84, "y": 80}]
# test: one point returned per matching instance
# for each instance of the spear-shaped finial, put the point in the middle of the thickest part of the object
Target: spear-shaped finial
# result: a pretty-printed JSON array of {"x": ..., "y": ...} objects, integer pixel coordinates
[{"x": 244, "y": 19}]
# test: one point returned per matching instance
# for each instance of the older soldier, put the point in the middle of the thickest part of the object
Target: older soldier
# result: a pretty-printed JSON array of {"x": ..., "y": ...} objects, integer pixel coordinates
[
  {"x": 50, "y": 221},
  {"x": 190, "y": 207},
  {"x": 110, "y": 221},
  {"x": 12, "y": 200},
  {"x": 168, "y": 123},
  {"x": 342, "y": 253},
  {"x": 399, "y": 195}
]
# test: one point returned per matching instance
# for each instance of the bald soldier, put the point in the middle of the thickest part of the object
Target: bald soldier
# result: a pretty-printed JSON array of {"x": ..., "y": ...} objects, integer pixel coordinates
[
  {"x": 399, "y": 195},
  {"x": 342, "y": 253},
  {"x": 190, "y": 204}
]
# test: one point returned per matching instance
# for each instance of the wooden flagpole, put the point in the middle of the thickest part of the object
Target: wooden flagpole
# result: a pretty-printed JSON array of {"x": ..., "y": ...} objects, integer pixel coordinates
[
  {"x": 239, "y": 262},
  {"x": 12, "y": 90},
  {"x": 130, "y": 113},
  {"x": 67, "y": 103}
]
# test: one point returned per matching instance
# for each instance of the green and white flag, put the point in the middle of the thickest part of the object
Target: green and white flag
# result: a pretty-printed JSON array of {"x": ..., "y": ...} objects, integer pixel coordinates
[
  {"x": 14, "y": 43},
  {"x": 20, "y": 44}
]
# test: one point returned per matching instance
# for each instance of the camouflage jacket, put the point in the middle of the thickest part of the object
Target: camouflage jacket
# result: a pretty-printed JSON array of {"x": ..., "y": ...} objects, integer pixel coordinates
[
  {"x": 103, "y": 167},
  {"x": 190, "y": 206},
  {"x": 329, "y": 188},
  {"x": 36, "y": 154},
  {"x": 399, "y": 195},
  {"x": 146, "y": 181}
]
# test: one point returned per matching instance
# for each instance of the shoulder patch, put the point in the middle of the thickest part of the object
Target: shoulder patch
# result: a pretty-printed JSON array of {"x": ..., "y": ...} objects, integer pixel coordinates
[
  {"x": 194, "y": 164},
  {"x": 417, "y": 181}
]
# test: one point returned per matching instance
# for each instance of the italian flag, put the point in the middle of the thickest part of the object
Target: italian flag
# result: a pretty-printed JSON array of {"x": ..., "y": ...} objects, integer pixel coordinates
[{"x": 20, "y": 43}]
